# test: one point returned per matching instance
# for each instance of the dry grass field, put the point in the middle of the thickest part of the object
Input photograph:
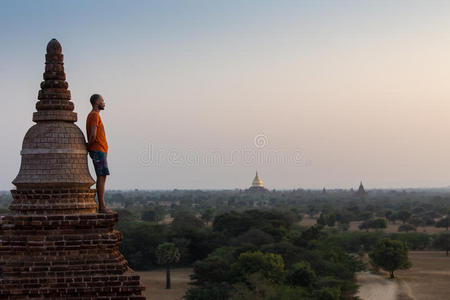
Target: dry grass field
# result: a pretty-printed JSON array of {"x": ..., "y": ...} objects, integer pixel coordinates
[
  {"x": 155, "y": 283},
  {"x": 308, "y": 221},
  {"x": 428, "y": 278}
]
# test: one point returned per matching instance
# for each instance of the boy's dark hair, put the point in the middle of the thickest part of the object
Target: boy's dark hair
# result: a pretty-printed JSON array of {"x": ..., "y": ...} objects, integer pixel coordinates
[{"x": 94, "y": 98}]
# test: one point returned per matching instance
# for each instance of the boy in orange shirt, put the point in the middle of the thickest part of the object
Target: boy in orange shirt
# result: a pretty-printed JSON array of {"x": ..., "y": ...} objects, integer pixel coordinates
[{"x": 98, "y": 148}]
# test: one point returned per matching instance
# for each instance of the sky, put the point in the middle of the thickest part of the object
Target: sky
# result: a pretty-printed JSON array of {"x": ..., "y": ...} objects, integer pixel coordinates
[{"x": 201, "y": 94}]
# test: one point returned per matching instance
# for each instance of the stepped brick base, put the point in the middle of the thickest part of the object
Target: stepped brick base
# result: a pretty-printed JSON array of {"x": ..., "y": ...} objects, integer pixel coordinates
[{"x": 64, "y": 257}]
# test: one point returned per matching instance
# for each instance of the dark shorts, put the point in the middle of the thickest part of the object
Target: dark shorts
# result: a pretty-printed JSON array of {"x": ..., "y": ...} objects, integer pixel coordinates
[{"x": 100, "y": 162}]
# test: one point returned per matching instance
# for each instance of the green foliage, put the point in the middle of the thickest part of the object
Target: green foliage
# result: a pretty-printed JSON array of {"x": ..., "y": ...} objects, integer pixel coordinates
[
  {"x": 290, "y": 253},
  {"x": 357, "y": 242},
  {"x": 140, "y": 240},
  {"x": 269, "y": 265},
  {"x": 444, "y": 222},
  {"x": 416, "y": 221},
  {"x": 271, "y": 229},
  {"x": 327, "y": 219},
  {"x": 328, "y": 293},
  {"x": 207, "y": 215},
  {"x": 378, "y": 223},
  {"x": 311, "y": 234},
  {"x": 403, "y": 215},
  {"x": 167, "y": 254},
  {"x": 297, "y": 213},
  {"x": 442, "y": 241},
  {"x": 215, "y": 268},
  {"x": 253, "y": 236},
  {"x": 273, "y": 222},
  {"x": 353, "y": 241},
  {"x": 390, "y": 255},
  {"x": 258, "y": 287},
  {"x": 414, "y": 240},
  {"x": 185, "y": 220},
  {"x": 154, "y": 214},
  {"x": 406, "y": 228},
  {"x": 216, "y": 291},
  {"x": 126, "y": 216},
  {"x": 302, "y": 274}
]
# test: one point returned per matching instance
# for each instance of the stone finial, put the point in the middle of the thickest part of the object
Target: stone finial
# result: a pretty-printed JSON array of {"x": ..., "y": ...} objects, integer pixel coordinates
[{"x": 54, "y": 47}]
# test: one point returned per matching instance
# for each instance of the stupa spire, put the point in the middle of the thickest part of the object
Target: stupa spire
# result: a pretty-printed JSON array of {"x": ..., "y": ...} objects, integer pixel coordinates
[
  {"x": 54, "y": 150},
  {"x": 54, "y": 97},
  {"x": 257, "y": 182},
  {"x": 361, "y": 191}
]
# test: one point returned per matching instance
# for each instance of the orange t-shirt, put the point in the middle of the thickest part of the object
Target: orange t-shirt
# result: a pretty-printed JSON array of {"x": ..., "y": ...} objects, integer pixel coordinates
[{"x": 99, "y": 144}]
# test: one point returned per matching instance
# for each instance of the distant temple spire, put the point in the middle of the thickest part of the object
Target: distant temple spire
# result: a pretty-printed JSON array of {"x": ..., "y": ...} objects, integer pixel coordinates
[{"x": 361, "y": 191}]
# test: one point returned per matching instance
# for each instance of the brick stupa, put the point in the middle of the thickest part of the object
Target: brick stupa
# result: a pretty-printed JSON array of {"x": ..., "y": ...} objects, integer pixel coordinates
[{"x": 53, "y": 244}]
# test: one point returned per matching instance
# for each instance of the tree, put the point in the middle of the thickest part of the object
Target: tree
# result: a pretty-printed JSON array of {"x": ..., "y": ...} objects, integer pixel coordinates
[
  {"x": 327, "y": 219},
  {"x": 149, "y": 215},
  {"x": 390, "y": 255},
  {"x": 406, "y": 227},
  {"x": 269, "y": 265},
  {"x": 416, "y": 221},
  {"x": 388, "y": 214},
  {"x": 331, "y": 220},
  {"x": 207, "y": 215},
  {"x": 302, "y": 274},
  {"x": 442, "y": 242},
  {"x": 126, "y": 216},
  {"x": 403, "y": 215},
  {"x": 429, "y": 221},
  {"x": 328, "y": 293},
  {"x": 321, "y": 220},
  {"x": 259, "y": 288},
  {"x": 297, "y": 214},
  {"x": 344, "y": 226},
  {"x": 253, "y": 236},
  {"x": 186, "y": 221},
  {"x": 167, "y": 254},
  {"x": 140, "y": 241},
  {"x": 378, "y": 223},
  {"x": 444, "y": 222}
]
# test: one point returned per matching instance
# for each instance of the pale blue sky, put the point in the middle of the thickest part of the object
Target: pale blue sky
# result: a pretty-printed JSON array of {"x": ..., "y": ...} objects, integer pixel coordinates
[{"x": 336, "y": 91}]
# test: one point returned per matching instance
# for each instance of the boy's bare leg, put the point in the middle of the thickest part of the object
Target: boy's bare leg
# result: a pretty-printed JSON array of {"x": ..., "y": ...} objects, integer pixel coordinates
[{"x": 101, "y": 195}]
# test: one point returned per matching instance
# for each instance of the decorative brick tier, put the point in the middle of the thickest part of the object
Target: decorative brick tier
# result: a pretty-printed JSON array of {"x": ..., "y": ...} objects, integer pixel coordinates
[
  {"x": 56, "y": 201},
  {"x": 54, "y": 245}
]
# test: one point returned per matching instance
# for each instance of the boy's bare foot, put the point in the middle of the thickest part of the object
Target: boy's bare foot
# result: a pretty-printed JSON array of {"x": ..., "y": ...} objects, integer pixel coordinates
[{"x": 105, "y": 210}]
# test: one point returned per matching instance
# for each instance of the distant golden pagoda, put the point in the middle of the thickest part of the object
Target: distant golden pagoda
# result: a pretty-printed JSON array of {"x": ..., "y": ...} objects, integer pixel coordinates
[{"x": 257, "y": 184}]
